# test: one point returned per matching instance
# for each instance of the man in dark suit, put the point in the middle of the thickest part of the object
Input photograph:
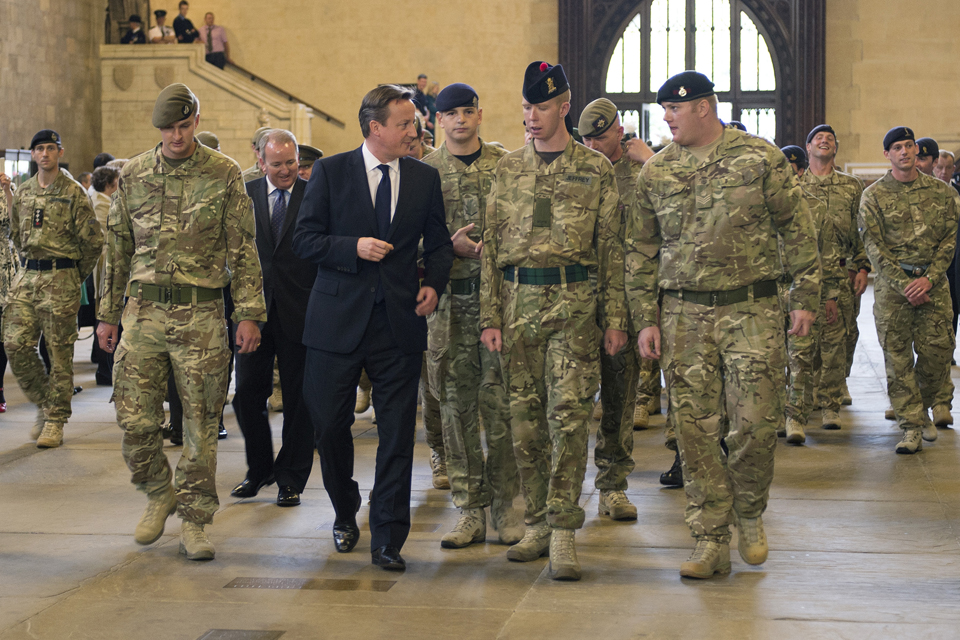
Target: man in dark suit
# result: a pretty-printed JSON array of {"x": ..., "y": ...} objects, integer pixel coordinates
[
  {"x": 286, "y": 287},
  {"x": 362, "y": 218}
]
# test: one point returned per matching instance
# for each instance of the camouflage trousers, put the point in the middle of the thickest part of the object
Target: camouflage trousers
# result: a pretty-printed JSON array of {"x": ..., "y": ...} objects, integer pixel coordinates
[
  {"x": 903, "y": 329},
  {"x": 850, "y": 310},
  {"x": 724, "y": 369},
  {"x": 192, "y": 341},
  {"x": 835, "y": 341},
  {"x": 619, "y": 395},
  {"x": 551, "y": 365},
  {"x": 467, "y": 380},
  {"x": 430, "y": 410},
  {"x": 43, "y": 302},
  {"x": 817, "y": 365},
  {"x": 649, "y": 386}
]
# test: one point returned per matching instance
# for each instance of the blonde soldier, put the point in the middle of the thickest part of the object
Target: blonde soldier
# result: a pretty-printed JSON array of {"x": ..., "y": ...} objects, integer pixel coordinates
[
  {"x": 847, "y": 258},
  {"x": 601, "y": 131},
  {"x": 710, "y": 207},
  {"x": 908, "y": 222},
  {"x": 55, "y": 231},
  {"x": 465, "y": 377},
  {"x": 179, "y": 230},
  {"x": 551, "y": 219}
]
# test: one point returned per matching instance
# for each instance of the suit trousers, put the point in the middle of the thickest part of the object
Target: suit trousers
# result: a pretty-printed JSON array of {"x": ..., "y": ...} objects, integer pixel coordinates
[
  {"x": 330, "y": 392},
  {"x": 254, "y": 386}
]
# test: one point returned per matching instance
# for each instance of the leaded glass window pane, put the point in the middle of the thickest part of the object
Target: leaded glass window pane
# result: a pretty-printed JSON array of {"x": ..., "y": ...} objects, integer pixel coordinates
[
  {"x": 657, "y": 130},
  {"x": 756, "y": 65},
  {"x": 761, "y": 122},
  {"x": 623, "y": 74},
  {"x": 713, "y": 41},
  {"x": 667, "y": 40},
  {"x": 725, "y": 111}
]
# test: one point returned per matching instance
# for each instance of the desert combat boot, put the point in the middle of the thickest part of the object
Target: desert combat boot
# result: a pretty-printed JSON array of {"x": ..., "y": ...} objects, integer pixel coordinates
[
  {"x": 506, "y": 521},
  {"x": 471, "y": 528},
  {"x": 535, "y": 544},
  {"x": 563, "y": 555},
  {"x": 616, "y": 505},
  {"x": 194, "y": 543},
  {"x": 708, "y": 558},
  {"x": 751, "y": 539},
  {"x": 160, "y": 505}
]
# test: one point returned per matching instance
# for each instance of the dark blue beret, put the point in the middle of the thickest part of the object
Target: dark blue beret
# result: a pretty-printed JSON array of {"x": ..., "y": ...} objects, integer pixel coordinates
[
  {"x": 135, "y": 18},
  {"x": 45, "y": 136},
  {"x": 896, "y": 135},
  {"x": 457, "y": 95},
  {"x": 796, "y": 155},
  {"x": 541, "y": 82},
  {"x": 737, "y": 124},
  {"x": 928, "y": 147},
  {"x": 684, "y": 87},
  {"x": 817, "y": 129}
]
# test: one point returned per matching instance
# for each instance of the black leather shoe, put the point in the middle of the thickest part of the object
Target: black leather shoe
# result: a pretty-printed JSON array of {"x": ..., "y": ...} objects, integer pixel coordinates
[
  {"x": 673, "y": 477},
  {"x": 248, "y": 488},
  {"x": 389, "y": 558},
  {"x": 174, "y": 436},
  {"x": 222, "y": 433},
  {"x": 288, "y": 497},
  {"x": 345, "y": 536}
]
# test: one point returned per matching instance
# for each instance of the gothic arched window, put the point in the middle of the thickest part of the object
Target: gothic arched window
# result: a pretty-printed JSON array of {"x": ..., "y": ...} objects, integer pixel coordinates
[{"x": 717, "y": 37}]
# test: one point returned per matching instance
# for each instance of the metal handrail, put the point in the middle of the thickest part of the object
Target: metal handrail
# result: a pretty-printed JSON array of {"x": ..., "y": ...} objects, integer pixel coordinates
[{"x": 292, "y": 98}]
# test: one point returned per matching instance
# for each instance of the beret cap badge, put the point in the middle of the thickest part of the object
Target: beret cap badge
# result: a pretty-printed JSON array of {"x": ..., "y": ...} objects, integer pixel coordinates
[
  {"x": 550, "y": 86},
  {"x": 682, "y": 92}
]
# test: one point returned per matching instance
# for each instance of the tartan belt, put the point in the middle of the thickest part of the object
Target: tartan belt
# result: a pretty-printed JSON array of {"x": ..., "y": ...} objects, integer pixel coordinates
[
  {"x": 465, "y": 286},
  {"x": 548, "y": 275},
  {"x": 48, "y": 265},
  {"x": 915, "y": 270},
  {"x": 174, "y": 295},
  {"x": 763, "y": 289}
]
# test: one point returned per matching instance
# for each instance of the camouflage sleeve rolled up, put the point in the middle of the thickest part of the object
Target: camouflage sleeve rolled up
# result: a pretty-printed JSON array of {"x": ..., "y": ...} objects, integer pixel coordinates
[
  {"x": 491, "y": 277},
  {"x": 118, "y": 254},
  {"x": 641, "y": 257},
  {"x": 611, "y": 296},
  {"x": 793, "y": 222},
  {"x": 246, "y": 283}
]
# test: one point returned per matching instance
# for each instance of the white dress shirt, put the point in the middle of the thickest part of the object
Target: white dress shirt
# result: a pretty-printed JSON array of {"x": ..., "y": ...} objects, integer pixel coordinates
[
  {"x": 374, "y": 175},
  {"x": 272, "y": 199}
]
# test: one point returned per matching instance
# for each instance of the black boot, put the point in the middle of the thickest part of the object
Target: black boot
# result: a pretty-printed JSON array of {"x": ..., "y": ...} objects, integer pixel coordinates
[{"x": 673, "y": 477}]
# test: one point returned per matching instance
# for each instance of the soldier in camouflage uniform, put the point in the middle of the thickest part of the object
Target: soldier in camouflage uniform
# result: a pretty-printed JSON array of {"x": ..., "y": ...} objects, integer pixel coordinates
[
  {"x": 601, "y": 131},
  {"x": 179, "y": 230},
  {"x": 464, "y": 375},
  {"x": 908, "y": 222},
  {"x": 928, "y": 153},
  {"x": 804, "y": 352},
  {"x": 847, "y": 261},
  {"x": 54, "y": 228},
  {"x": 710, "y": 207},
  {"x": 551, "y": 219}
]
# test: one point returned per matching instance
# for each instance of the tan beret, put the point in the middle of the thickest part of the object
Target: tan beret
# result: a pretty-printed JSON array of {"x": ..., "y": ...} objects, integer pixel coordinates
[
  {"x": 308, "y": 154},
  {"x": 209, "y": 139},
  {"x": 597, "y": 117},
  {"x": 258, "y": 135},
  {"x": 175, "y": 103}
]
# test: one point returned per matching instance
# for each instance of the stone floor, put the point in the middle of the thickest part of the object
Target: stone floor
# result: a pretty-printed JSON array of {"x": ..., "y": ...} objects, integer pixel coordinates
[{"x": 863, "y": 544}]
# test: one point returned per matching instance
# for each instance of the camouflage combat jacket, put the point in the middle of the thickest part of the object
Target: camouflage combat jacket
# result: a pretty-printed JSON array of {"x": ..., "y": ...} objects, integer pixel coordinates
[
  {"x": 715, "y": 225},
  {"x": 8, "y": 255},
  {"x": 842, "y": 192},
  {"x": 187, "y": 226},
  {"x": 465, "y": 191},
  {"x": 913, "y": 223},
  {"x": 552, "y": 215},
  {"x": 627, "y": 172},
  {"x": 56, "y": 222},
  {"x": 832, "y": 274}
]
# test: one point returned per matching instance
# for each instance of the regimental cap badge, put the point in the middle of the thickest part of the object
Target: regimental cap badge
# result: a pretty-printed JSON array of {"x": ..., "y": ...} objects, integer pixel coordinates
[
  {"x": 550, "y": 86},
  {"x": 476, "y": 102},
  {"x": 186, "y": 110},
  {"x": 793, "y": 157},
  {"x": 682, "y": 92},
  {"x": 923, "y": 150},
  {"x": 55, "y": 138},
  {"x": 599, "y": 123}
]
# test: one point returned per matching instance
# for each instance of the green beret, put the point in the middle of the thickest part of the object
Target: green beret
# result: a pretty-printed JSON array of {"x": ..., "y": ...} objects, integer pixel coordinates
[
  {"x": 209, "y": 139},
  {"x": 175, "y": 103},
  {"x": 308, "y": 154},
  {"x": 258, "y": 135},
  {"x": 597, "y": 117},
  {"x": 684, "y": 87}
]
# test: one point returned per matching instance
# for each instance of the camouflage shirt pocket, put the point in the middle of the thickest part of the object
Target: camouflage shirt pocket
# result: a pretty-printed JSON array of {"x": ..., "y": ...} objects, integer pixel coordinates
[
  {"x": 740, "y": 192},
  {"x": 669, "y": 198},
  {"x": 575, "y": 205}
]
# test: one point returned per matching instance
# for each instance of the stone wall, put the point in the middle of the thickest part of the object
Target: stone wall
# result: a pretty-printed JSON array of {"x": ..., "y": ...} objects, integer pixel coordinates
[
  {"x": 231, "y": 105},
  {"x": 50, "y": 76},
  {"x": 892, "y": 63},
  {"x": 331, "y": 52}
]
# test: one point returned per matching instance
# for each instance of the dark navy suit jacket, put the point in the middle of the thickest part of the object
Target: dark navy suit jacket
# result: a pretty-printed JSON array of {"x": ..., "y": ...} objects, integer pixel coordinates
[{"x": 336, "y": 212}]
